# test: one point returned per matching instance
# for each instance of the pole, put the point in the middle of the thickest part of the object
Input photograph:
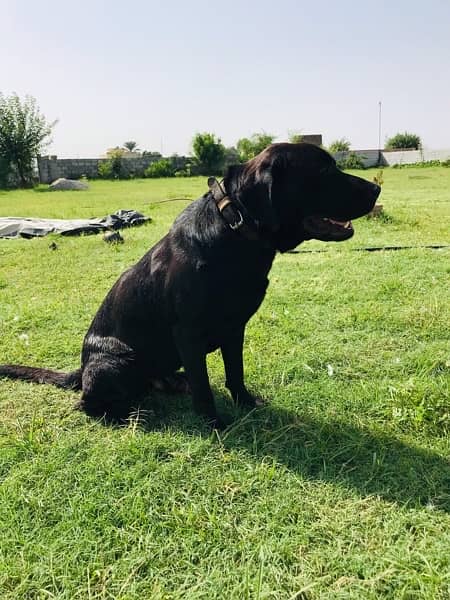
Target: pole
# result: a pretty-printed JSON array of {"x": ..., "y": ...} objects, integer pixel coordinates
[
  {"x": 379, "y": 125},
  {"x": 379, "y": 132}
]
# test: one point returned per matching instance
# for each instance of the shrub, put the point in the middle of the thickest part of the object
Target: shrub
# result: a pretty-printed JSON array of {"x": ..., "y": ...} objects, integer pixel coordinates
[
  {"x": 114, "y": 167},
  {"x": 160, "y": 168},
  {"x": 342, "y": 145},
  {"x": 295, "y": 137},
  {"x": 423, "y": 164},
  {"x": 351, "y": 161},
  {"x": 105, "y": 170},
  {"x": 402, "y": 141}
]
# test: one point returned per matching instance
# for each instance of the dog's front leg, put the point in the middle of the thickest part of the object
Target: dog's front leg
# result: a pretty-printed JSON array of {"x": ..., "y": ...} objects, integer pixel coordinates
[
  {"x": 231, "y": 348},
  {"x": 193, "y": 356}
]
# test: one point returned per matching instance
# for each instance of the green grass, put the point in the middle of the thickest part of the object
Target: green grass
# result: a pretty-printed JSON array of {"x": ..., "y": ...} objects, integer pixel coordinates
[{"x": 338, "y": 488}]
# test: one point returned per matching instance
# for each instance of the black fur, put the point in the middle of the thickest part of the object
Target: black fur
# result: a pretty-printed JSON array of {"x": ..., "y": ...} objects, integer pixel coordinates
[{"x": 195, "y": 290}]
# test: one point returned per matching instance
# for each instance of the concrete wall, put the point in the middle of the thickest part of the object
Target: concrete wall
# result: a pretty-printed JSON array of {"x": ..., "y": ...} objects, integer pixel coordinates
[
  {"x": 52, "y": 167},
  {"x": 406, "y": 157},
  {"x": 388, "y": 158}
]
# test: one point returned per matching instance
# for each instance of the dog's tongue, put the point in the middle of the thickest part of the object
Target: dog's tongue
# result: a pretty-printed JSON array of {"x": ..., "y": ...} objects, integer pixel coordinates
[{"x": 345, "y": 224}]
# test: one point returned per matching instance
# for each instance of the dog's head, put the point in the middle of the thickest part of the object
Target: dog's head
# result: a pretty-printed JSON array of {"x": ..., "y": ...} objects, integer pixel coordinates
[{"x": 295, "y": 192}]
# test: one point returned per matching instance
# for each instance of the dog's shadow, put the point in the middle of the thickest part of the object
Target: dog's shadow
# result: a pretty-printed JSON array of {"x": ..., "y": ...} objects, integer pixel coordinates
[{"x": 372, "y": 461}]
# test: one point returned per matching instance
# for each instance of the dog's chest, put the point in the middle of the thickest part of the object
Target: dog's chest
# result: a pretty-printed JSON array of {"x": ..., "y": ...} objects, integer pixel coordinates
[{"x": 234, "y": 293}]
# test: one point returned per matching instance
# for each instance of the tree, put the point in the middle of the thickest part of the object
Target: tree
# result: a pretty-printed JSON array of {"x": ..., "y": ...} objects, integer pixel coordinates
[
  {"x": 131, "y": 146},
  {"x": 114, "y": 167},
  {"x": 231, "y": 156},
  {"x": 295, "y": 137},
  {"x": 24, "y": 133},
  {"x": 341, "y": 145},
  {"x": 248, "y": 148},
  {"x": 404, "y": 141},
  {"x": 209, "y": 153}
]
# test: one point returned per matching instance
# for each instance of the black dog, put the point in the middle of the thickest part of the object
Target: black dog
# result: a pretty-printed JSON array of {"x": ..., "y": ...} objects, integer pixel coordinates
[{"x": 195, "y": 290}]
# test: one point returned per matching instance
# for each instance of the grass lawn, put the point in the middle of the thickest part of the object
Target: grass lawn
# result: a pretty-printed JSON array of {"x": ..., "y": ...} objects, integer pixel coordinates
[{"x": 338, "y": 488}]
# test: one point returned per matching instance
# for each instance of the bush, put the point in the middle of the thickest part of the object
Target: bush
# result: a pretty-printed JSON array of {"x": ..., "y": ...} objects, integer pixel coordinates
[
  {"x": 160, "y": 168},
  {"x": 342, "y": 145},
  {"x": 351, "y": 161},
  {"x": 424, "y": 164},
  {"x": 295, "y": 137},
  {"x": 114, "y": 167},
  {"x": 402, "y": 141}
]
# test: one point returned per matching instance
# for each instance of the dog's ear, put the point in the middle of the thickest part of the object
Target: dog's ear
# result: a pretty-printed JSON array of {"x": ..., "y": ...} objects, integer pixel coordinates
[
  {"x": 263, "y": 202},
  {"x": 255, "y": 188}
]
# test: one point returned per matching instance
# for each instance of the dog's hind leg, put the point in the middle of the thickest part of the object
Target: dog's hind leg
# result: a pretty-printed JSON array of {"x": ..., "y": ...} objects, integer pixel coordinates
[
  {"x": 110, "y": 389},
  {"x": 192, "y": 351}
]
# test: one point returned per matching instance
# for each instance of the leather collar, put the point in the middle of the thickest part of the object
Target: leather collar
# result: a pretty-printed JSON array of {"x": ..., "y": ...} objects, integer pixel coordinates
[{"x": 236, "y": 217}]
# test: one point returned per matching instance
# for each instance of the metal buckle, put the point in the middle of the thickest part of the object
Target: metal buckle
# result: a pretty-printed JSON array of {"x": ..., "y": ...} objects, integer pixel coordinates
[{"x": 239, "y": 224}]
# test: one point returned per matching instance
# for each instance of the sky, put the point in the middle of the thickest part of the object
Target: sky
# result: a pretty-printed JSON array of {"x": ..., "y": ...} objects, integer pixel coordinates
[{"x": 158, "y": 72}]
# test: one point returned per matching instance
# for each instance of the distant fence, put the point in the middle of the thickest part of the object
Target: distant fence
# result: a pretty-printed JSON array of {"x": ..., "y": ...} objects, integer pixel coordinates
[
  {"x": 369, "y": 158},
  {"x": 407, "y": 157},
  {"x": 389, "y": 158},
  {"x": 52, "y": 167}
]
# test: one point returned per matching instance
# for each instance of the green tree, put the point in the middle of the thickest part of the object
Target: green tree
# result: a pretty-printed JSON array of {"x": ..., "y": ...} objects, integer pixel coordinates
[
  {"x": 114, "y": 167},
  {"x": 404, "y": 140},
  {"x": 24, "y": 133},
  {"x": 209, "y": 153},
  {"x": 248, "y": 148},
  {"x": 131, "y": 146},
  {"x": 341, "y": 145},
  {"x": 231, "y": 156}
]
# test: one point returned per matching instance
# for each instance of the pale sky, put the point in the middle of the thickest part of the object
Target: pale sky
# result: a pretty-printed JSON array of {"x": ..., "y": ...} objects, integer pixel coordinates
[{"x": 158, "y": 72}]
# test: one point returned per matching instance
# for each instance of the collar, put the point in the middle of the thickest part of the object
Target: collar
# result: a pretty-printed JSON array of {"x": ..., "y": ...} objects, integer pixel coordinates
[{"x": 237, "y": 218}]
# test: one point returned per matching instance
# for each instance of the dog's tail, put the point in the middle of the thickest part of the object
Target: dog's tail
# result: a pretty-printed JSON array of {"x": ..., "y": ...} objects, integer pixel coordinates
[{"x": 68, "y": 381}]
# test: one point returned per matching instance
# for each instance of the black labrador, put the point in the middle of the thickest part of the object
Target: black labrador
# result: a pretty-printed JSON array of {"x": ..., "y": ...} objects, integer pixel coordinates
[{"x": 195, "y": 290}]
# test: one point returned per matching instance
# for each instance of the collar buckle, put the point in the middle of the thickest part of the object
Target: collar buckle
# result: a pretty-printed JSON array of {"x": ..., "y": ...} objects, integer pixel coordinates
[{"x": 238, "y": 224}]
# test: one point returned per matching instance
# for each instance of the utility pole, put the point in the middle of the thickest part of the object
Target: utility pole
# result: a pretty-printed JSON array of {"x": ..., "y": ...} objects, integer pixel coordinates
[
  {"x": 379, "y": 132},
  {"x": 379, "y": 125}
]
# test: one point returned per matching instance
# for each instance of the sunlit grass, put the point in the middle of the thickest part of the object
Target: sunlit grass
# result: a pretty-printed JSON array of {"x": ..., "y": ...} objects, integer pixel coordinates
[{"x": 338, "y": 488}]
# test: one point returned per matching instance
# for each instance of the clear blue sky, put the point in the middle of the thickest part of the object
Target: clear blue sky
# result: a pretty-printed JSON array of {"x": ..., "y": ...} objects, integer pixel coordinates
[{"x": 159, "y": 71}]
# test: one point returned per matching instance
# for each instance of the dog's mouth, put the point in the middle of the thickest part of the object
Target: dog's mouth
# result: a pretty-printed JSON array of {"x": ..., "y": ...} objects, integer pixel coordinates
[{"x": 327, "y": 229}]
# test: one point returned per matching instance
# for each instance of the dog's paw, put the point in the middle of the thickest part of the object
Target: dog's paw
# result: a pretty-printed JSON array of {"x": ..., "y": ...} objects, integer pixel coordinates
[
  {"x": 217, "y": 423},
  {"x": 247, "y": 400},
  {"x": 172, "y": 384}
]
